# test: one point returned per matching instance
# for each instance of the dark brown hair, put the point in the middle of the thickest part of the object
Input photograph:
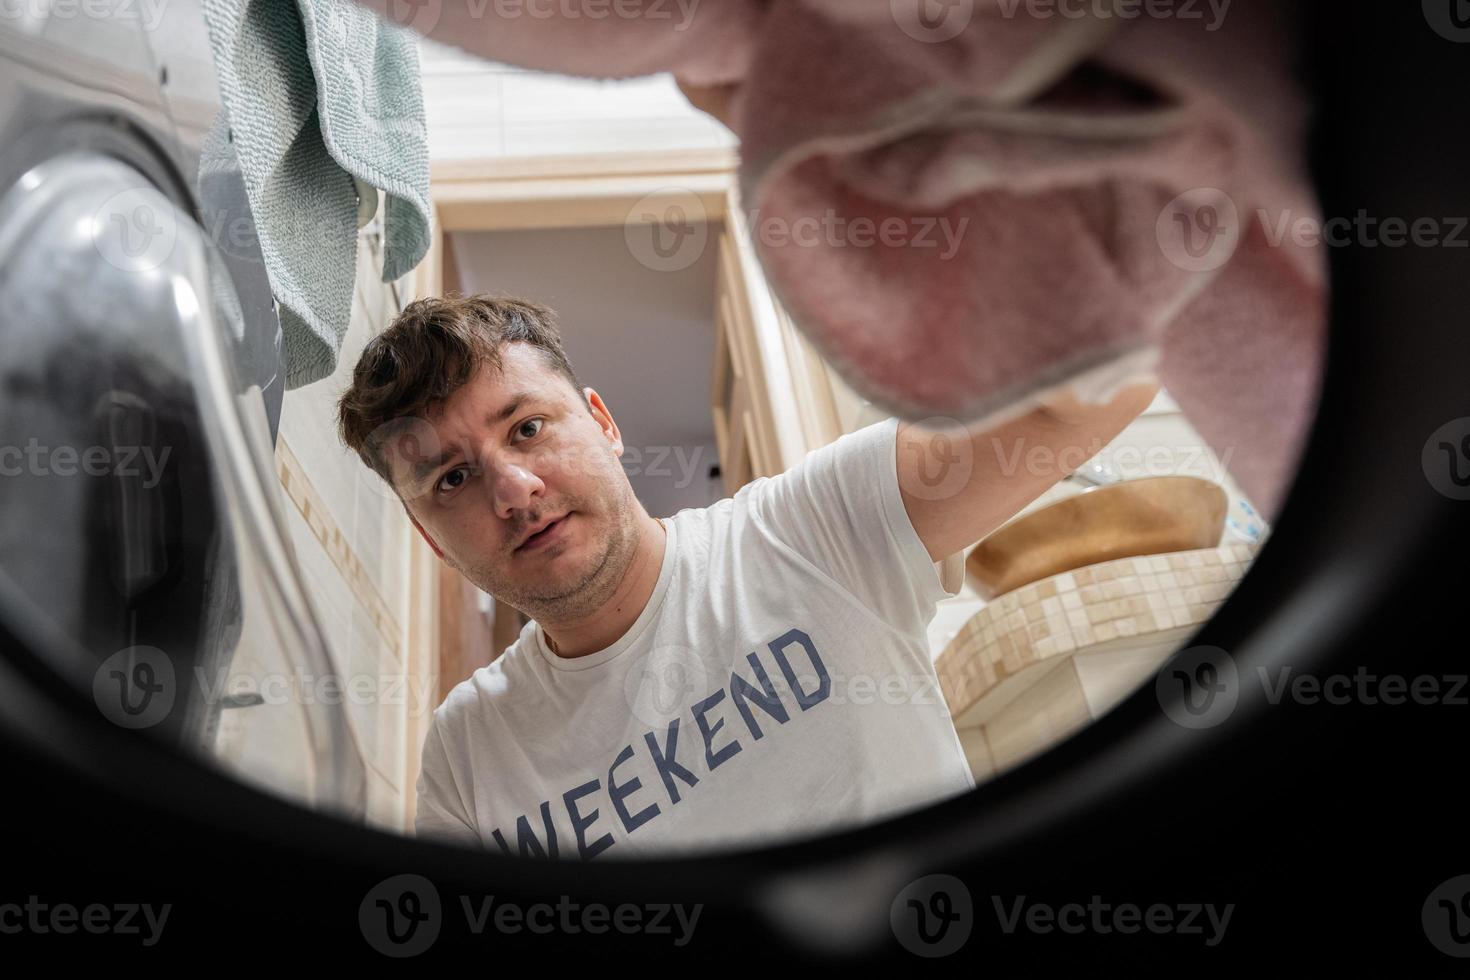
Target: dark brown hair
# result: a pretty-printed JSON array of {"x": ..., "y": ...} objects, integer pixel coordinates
[{"x": 431, "y": 350}]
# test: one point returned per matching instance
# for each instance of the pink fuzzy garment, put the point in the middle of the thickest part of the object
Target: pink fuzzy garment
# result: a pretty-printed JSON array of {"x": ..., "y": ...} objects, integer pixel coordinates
[{"x": 1114, "y": 188}]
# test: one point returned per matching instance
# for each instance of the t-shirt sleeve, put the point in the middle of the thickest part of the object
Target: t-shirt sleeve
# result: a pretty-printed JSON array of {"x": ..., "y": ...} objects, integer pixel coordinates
[
  {"x": 440, "y": 811},
  {"x": 840, "y": 509}
]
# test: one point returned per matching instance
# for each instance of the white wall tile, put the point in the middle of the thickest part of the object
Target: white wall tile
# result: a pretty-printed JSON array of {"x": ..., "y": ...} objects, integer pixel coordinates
[{"x": 480, "y": 108}]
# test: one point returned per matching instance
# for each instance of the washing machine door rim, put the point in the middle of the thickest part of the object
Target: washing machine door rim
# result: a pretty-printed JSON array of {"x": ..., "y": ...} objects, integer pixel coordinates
[{"x": 138, "y": 308}]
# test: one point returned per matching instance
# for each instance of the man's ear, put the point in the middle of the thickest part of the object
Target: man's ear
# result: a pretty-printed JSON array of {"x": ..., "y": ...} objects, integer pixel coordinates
[
  {"x": 422, "y": 532},
  {"x": 598, "y": 407}
]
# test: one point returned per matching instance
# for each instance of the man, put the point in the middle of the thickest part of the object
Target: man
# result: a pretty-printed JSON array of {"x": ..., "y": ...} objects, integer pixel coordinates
[{"x": 751, "y": 671}]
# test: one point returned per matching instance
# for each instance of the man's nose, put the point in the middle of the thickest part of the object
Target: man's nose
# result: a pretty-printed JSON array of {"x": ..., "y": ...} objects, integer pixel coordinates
[{"x": 511, "y": 483}]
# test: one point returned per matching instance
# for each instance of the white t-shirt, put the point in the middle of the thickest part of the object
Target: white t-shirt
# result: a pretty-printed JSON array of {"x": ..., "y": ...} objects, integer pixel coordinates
[{"x": 777, "y": 685}]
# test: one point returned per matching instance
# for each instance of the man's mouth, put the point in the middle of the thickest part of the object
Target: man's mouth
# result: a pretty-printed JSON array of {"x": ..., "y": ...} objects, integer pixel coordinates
[{"x": 543, "y": 536}]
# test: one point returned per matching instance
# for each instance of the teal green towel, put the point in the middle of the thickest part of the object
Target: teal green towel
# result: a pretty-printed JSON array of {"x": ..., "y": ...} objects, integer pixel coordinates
[{"x": 319, "y": 92}]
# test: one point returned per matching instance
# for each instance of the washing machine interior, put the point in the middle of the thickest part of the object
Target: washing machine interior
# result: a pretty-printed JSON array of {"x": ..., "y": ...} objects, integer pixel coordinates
[
  {"x": 177, "y": 349},
  {"x": 142, "y": 541}
]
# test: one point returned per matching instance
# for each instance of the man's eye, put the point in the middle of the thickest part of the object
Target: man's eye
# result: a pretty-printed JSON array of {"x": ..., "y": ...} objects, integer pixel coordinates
[
  {"x": 446, "y": 479},
  {"x": 536, "y": 422}
]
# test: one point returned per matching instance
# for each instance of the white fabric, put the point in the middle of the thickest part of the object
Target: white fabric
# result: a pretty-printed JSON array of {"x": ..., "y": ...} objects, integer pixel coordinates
[{"x": 541, "y": 755}]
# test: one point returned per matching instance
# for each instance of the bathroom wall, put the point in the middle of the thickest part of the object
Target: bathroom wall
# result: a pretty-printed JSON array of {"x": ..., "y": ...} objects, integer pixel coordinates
[
  {"x": 359, "y": 558},
  {"x": 482, "y": 109}
]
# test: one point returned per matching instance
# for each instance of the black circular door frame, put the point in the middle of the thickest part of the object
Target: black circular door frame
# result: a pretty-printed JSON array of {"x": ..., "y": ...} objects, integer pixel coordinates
[{"x": 1133, "y": 806}]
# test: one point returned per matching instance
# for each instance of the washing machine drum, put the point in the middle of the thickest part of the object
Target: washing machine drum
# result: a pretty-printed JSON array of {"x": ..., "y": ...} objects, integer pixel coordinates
[{"x": 137, "y": 521}]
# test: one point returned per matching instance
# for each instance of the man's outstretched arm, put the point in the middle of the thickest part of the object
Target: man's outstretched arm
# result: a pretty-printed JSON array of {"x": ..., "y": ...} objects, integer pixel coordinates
[{"x": 1008, "y": 466}]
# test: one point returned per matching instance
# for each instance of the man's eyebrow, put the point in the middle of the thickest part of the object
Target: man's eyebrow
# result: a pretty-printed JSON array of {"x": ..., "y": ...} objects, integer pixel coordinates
[
  {"x": 424, "y": 468},
  {"x": 510, "y": 409}
]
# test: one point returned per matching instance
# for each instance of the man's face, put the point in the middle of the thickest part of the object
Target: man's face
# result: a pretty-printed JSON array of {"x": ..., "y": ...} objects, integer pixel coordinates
[{"x": 508, "y": 452}]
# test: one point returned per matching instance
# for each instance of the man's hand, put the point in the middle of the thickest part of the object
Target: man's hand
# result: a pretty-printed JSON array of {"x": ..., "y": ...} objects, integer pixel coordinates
[
  {"x": 959, "y": 485},
  {"x": 713, "y": 99},
  {"x": 1066, "y": 408}
]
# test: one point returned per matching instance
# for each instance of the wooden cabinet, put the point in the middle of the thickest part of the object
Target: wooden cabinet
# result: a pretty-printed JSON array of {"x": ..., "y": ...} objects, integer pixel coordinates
[
  {"x": 745, "y": 446},
  {"x": 771, "y": 393}
]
